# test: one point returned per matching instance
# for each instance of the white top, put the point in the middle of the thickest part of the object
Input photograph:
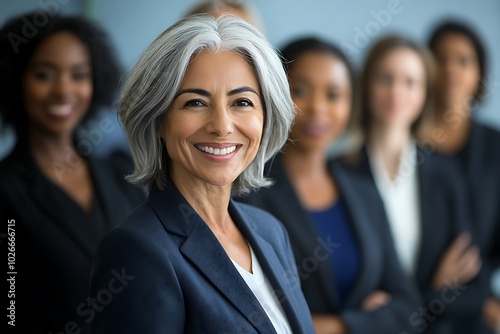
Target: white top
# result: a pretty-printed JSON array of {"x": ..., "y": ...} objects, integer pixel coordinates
[
  {"x": 263, "y": 291},
  {"x": 402, "y": 203}
]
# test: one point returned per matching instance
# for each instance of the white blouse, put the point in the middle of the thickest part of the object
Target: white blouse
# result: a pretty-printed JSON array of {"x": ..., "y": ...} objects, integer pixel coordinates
[
  {"x": 263, "y": 291},
  {"x": 402, "y": 203}
]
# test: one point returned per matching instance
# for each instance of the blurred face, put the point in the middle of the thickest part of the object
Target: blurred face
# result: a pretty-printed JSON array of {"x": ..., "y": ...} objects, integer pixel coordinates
[
  {"x": 458, "y": 73},
  {"x": 213, "y": 128},
  {"x": 57, "y": 85},
  {"x": 321, "y": 89},
  {"x": 397, "y": 88}
]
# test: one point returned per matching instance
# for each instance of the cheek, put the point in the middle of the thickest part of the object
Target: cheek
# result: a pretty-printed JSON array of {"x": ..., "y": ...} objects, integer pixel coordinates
[
  {"x": 417, "y": 98},
  {"x": 87, "y": 92},
  {"x": 252, "y": 127}
]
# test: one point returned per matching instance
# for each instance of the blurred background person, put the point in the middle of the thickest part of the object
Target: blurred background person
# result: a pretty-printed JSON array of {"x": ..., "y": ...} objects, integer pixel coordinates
[
  {"x": 239, "y": 8},
  {"x": 424, "y": 202},
  {"x": 205, "y": 107},
  {"x": 462, "y": 83},
  {"x": 63, "y": 201},
  {"x": 350, "y": 274}
]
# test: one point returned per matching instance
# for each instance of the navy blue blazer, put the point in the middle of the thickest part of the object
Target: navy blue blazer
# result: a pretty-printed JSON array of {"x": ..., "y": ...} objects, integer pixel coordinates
[
  {"x": 480, "y": 160},
  {"x": 380, "y": 268},
  {"x": 56, "y": 239},
  {"x": 179, "y": 279},
  {"x": 444, "y": 215}
]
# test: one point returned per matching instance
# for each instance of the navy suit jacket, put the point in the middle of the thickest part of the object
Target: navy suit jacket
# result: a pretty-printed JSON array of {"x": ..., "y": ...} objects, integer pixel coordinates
[
  {"x": 444, "y": 215},
  {"x": 380, "y": 268},
  {"x": 480, "y": 160},
  {"x": 179, "y": 279}
]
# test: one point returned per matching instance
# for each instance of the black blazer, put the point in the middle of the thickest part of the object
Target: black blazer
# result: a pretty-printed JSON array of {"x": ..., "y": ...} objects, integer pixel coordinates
[
  {"x": 180, "y": 279},
  {"x": 380, "y": 268},
  {"x": 444, "y": 215},
  {"x": 480, "y": 160},
  {"x": 55, "y": 240}
]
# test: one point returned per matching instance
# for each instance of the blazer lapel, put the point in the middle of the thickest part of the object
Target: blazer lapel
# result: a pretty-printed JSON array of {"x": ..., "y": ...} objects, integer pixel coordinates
[
  {"x": 44, "y": 194},
  {"x": 108, "y": 192},
  {"x": 279, "y": 278},
  {"x": 352, "y": 188},
  {"x": 301, "y": 229},
  {"x": 204, "y": 251}
]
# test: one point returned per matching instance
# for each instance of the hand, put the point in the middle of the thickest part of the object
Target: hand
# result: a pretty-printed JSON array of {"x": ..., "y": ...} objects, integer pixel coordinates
[
  {"x": 459, "y": 264},
  {"x": 491, "y": 313},
  {"x": 329, "y": 324},
  {"x": 375, "y": 300}
]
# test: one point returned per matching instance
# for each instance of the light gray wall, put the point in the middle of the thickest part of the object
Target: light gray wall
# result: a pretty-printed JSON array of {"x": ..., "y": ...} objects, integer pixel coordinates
[{"x": 134, "y": 24}]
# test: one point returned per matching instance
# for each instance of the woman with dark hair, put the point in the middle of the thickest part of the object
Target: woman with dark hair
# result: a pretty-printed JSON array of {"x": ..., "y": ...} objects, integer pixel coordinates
[
  {"x": 349, "y": 271},
  {"x": 424, "y": 202},
  {"x": 461, "y": 87},
  {"x": 61, "y": 200}
]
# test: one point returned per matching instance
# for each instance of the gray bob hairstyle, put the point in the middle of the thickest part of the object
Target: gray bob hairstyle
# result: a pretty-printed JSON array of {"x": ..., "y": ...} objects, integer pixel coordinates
[{"x": 158, "y": 75}]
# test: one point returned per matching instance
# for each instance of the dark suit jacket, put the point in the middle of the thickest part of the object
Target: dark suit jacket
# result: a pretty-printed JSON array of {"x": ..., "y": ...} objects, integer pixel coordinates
[
  {"x": 479, "y": 160},
  {"x": 380, "y": 268},
  {"x": 444, "y": 215},
  {"x": 55, "y": 240},
  {"x": 181, "y": 279}
]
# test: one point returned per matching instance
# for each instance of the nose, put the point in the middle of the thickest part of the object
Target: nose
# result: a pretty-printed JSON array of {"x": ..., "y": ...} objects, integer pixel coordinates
[
  {"x": 62, "y": 86},
  {"x": 317, "y": 104},
  {"x": 220, "y": 121}
]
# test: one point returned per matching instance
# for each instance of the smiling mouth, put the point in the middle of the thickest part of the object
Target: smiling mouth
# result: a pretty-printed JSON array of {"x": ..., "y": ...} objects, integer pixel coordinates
[
  {"x": 60, "y": 110},
  {"x": 216, "y": 150}
]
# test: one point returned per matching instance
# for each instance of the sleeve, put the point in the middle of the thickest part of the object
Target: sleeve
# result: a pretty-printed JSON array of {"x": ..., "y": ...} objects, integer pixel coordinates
[
  {"x": 400, "y": 315},
  {"x": 134, "y": 288},
  {"x": 459, "y": 300}
]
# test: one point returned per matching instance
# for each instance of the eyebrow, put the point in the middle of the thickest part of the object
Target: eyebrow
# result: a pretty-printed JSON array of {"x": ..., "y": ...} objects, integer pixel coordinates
[
  {"x": 52, "y": 65},
  {"x": 203, "y": 92}
]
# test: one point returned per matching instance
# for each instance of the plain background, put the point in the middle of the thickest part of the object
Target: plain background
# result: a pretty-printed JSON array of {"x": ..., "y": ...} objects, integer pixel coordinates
[{"x": 354, "y": 25}]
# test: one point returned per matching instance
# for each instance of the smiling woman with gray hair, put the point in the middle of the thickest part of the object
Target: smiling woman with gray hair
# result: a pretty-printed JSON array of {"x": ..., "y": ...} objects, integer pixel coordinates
[{"x": 204, "y": 108}]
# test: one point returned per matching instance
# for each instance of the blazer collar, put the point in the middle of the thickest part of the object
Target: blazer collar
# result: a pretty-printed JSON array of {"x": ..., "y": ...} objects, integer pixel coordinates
[
  {"x": 203, "y": 249},
  {"x": 298, "y": 223},
  {"x": 355, "y": 181},
  {"x": 44, "y": 193}
]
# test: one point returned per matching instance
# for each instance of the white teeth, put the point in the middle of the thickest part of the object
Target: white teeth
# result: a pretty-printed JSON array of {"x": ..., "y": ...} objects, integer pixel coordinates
[
  {"x": 216, "y": 151},
  {"x": 60, "y": 109}
]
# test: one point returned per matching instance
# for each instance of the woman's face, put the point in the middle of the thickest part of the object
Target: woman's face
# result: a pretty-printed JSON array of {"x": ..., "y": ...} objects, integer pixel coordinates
[
  {"x": 57, "y": 85},
  {"x": 397, "y": 88},
  {"x": 321, "y": 90},
  {"x": 214, "y": 125},
  {"x": 458, "y": 74}
]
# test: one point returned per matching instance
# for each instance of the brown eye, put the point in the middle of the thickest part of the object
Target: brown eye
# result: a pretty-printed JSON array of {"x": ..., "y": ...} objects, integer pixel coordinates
[
  {"x": 194, "y": 103},
  {"x": 244, "y": 103},
  {"x": 42, "y": 75},
  {"x": 299, "y": 92}
]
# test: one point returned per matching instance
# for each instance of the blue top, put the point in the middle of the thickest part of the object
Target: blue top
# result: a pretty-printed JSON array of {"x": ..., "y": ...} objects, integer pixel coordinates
[{"x": 333, "y": 225}]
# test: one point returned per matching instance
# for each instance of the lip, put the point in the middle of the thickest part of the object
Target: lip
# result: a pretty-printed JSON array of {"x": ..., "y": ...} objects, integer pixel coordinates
[
  {"x": 218, "y": 146},
  {"x": 314, "y": 129},
  {"x": 60, "y": 111}
]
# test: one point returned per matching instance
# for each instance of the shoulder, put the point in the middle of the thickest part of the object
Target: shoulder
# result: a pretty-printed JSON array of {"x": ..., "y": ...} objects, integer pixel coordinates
[
  {"x": 117, "y": 161},
  {"x": 488, "y": 131}
]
